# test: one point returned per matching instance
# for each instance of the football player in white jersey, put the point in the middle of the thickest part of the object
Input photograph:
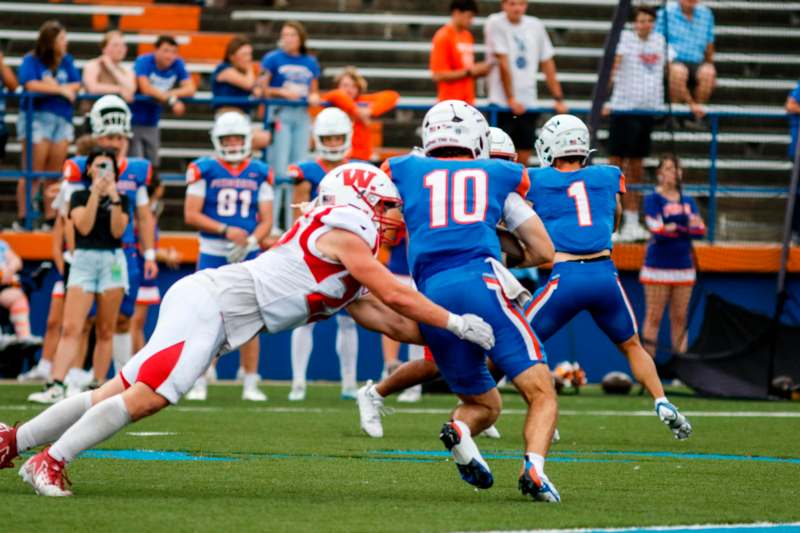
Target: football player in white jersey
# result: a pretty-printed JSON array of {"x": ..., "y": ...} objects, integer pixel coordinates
[{"x": 321, "y": 265}]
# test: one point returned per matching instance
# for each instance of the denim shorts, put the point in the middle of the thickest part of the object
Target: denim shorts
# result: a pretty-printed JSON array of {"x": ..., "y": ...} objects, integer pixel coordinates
[
  {"x": 98, "y": 270},
  {"x": 46, "y": 126}
]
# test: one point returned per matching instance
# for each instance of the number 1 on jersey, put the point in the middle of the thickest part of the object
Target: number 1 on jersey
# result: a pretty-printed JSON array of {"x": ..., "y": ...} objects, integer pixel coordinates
[
  {"x": 577, "y": 191},
  {"x": 444, "y": 194}
]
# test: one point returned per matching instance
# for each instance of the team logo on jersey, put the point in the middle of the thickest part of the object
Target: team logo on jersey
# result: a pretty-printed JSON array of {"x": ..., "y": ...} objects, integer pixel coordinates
[{"x": 358, "y": 176}]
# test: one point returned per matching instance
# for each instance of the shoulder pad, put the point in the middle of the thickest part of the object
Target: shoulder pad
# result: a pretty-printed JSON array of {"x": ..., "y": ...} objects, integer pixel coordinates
[{"x": 353, "y": 220}]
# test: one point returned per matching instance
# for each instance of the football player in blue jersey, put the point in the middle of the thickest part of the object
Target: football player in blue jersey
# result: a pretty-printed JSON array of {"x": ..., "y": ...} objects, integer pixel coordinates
[
  {"x": 580, "y": 207},
  {"x": 229, "y": 199},
  {"x": 453, "y": 200},
  {"x": 110, "y": 121},
  {"x": 333, "y": 133}
]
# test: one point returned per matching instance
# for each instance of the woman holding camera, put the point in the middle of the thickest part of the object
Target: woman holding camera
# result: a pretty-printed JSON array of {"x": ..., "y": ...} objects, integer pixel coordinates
[{"x": 99, "y": 215}]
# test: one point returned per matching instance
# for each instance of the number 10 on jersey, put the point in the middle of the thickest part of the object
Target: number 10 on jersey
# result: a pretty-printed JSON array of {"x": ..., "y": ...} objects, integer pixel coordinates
[{"x": 449, "y": 192}]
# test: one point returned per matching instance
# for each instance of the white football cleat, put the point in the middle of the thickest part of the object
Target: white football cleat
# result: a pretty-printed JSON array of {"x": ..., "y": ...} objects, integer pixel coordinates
[
  {"x": 298, "y": 393},
  {"x": 211, "y": 373},
  {"x": 198, "y": 392},
  {"x": 36, "y": 373},
  {"x": 370, "y": 407},
  {"x": 540, "y": 488},
  {"x": 556, "y": 437},
  {"x": 52, "y": 394},
  {"x": 253, "y": 394},
  {"x": 348, "y": 393},
  {"x": 411, "y": 395},
  {"x": 46, "y": 475},
  {"x": 491, "y": 432},
  {"x": 675, "y": 421}
]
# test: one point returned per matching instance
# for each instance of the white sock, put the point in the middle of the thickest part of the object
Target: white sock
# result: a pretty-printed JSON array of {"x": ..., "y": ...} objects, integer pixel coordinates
[
  {"x": 201, "y": 382},
  {"x": 415, "y": 352},
  {"x": 45, "y": 366},
  {"x": 538, "y": 462},
  {"x": 302, "y": 344},
  {"x": 250, "y": 381},
  {"x": 96, "y": 425},
  {"x": 121, "y": 350},
  {"x": 372, "y": 391},
  {"x": 467, "y": 450},
  {"x": 74, "y": 376},
  {"x": 347, "y": 350},
  {"x": 631, "y": 217},
  {"x": 48, "y": 425}
]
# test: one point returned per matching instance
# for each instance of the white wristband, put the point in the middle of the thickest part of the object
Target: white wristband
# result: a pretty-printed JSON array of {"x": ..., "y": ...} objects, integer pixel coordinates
[
  {"x": 150, "y": 255},
  {"x": 252, "y": 243}
]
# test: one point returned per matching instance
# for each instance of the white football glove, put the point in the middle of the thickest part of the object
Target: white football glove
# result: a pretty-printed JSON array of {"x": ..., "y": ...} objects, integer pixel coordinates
[
  {"x": 678, "y": 423},
  {"x": 238, "y": 253},
  {"x": 471, "y": 328}
]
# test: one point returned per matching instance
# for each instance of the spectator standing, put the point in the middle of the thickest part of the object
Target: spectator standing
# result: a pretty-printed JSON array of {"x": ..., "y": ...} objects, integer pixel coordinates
[
  {"x": 98, "y": 271},
  {"x": 290, "y": 73},
  {"x": 8, "y": 82},
  {"x": 689, "y": 30},
  {"x": 452, "y": 62},
  {"x": 520, "y": 46},
  {"x": 351, "y": 97},
  {"x": 668, "y": 273},
  {"x": 161, "y": 75},
  {"x": 106, "y": 74},
  {"x": 638, "y": 84},
  {"x": 49, "y": 70},
  {"x": 11, "y": 296},
  {"x": 236, "y": 77}
]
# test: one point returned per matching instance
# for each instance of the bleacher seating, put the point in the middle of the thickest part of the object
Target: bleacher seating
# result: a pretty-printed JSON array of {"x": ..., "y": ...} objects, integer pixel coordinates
[{"x": 389, "y": 40}]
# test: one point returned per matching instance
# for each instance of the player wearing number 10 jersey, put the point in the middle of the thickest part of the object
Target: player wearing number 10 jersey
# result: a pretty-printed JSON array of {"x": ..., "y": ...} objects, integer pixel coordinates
[
  {"x": 453, "y": 200},
  {"x": 580, "y": 208},
  {"x": 229, "y": 199}
]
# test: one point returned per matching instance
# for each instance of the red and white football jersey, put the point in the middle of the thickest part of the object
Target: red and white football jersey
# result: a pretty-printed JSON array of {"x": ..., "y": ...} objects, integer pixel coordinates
[{"x": 295, "y": 283}]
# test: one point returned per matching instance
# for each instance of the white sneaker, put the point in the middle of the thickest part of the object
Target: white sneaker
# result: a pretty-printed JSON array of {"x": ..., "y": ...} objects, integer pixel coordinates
[
  {"x": 36, "y": 373},
  {"x": 370, "y": 407},
  {"x": 52, "y": 394},
  {"x": 199, "y": 392},
  {"x": 556, "y": 437},
  {"x": 349, "y": 393},
  {"x": 298, "y": 393},
  {"x": 239, "y": 374},
  {"x": 491, "y": 432},
  {"x": 411, "y": 395},
  {"x": 253, "y": 394}
]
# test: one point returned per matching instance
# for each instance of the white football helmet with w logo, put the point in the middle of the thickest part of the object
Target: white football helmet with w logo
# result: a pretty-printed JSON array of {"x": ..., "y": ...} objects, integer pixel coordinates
[
  {"x": 455, "y": 124},
  {"x": 368, "y": 189}
]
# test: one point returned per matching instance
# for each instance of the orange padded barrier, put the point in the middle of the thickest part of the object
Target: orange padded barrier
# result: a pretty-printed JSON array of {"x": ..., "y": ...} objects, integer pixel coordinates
[
  {"x": 156, "y": 18},
  {"x": 201, "y": 47}
]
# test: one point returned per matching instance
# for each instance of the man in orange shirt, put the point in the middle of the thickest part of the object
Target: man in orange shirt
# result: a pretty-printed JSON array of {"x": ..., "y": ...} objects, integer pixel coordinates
[{"x": 452, "y": 64}]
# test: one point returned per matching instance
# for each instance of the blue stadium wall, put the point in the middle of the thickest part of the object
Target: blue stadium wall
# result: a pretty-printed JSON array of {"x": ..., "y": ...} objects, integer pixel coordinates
[{"x": 579, "y": 341}]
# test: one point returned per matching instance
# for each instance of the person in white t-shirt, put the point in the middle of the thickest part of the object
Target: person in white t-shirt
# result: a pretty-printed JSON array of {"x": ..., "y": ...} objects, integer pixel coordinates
[
  {"x": 638, "y": 84},
  {"x": 520, "y": 46}
]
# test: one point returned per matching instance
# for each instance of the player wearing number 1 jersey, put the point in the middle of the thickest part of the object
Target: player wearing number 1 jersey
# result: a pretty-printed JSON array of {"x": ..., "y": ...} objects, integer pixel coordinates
[
  {"x": 229, "y": 199},
  {"x": 453, "y": 200},
  {"x": 580, "y": 207}
]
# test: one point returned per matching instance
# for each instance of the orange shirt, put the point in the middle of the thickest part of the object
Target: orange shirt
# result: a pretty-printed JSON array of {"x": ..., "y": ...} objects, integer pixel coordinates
[
  {"x": 453, "y": 50},
  {"x": 378, "y": 103}
]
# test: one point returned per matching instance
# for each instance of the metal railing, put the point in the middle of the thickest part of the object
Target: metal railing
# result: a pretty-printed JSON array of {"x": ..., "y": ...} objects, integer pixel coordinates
[{"x": 491, "y": 111}]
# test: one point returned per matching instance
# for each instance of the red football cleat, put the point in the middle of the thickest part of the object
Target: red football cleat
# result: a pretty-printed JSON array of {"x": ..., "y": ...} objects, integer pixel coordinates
[
  {"x": 8, "y": 445},
  {"x": 46, "y": 475}
]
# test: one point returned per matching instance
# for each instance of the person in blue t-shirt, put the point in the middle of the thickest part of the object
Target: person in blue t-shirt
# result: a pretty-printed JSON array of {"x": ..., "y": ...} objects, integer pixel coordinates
[
  {"x": 162, "y": 76},
  {"x": 289, "y": 73},
  {"x": 50, "y": 70},
  {"x": 580, "y": 207},
  {"x": 235, "y": 77},
  {"x": 688, "y": 27}
]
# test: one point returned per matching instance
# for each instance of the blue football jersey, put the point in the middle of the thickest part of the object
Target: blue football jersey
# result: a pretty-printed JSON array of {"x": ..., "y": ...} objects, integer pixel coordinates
[
  {"x": 451, "y": 208},
  {"x": 231, "y": 194},
  {"x": 134, "y": 172},
  {"x": 578, "y": 208},
  {"x": 312, "y": 171}
]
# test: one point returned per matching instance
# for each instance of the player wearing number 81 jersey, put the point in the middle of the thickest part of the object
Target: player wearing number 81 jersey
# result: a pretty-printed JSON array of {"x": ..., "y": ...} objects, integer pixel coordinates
[{"x": 580, "y": 208}]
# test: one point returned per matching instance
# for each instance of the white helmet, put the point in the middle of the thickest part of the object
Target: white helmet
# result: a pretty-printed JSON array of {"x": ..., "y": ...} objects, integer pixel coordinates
[
  {"x": 500, "y": 145},
  {"x": 332, "y": 121},
  {"x": 110, "y": 115},
  {"x": 228, "y": 124},
  {"x": 562, "y": 136},
  {"x": 368, "y": 189},
  {"x": 455, "y": 124}
]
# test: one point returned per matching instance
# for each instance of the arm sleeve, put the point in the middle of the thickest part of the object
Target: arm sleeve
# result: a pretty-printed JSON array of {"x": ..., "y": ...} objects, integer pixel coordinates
[
  {"x": 440, "y": 56},
  {"x": 381, "y": 102},
  {"x": 315, "y": 67},
  {"x": 140, "y": 67},
  {"x": 515, "y": 211},
  {"x": 546, "y": 50},
  {"x": 27, "y": 70},
  {"x": 295, "y": 172},
  {"x": 142, "y": 198},
  {"x": 660, "y": 22},
  {"x": 193, "y": 173},
  {"x": 180, "y": 67},
  {"x": 494, "y": 38},
  {"x": 710, "y": 32},
  {"x": 265, "y": 193},
  {"x": 198, "y": 188},
  {"x": 339, "y": 99},
  {"x": 72, "y": 72},
  {"x": 524, "y": 186}
]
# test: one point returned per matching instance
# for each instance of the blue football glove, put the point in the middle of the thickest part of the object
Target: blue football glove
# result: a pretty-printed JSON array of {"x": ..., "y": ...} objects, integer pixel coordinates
[{"x": 676, "y": 422}]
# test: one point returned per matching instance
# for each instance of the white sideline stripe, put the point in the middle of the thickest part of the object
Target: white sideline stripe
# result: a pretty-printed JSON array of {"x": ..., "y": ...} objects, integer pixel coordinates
[
  {"x": 690, "y": 527},
  {"x": 57, "y": 9},
  {"x": 436, "y": 20},
  {"x": 439, "y": 411},
  {"x": 85, "y": 37}
]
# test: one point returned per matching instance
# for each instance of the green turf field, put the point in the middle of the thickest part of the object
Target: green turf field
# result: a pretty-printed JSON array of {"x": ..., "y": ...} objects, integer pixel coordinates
[{"x": 300, "y": 467}]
